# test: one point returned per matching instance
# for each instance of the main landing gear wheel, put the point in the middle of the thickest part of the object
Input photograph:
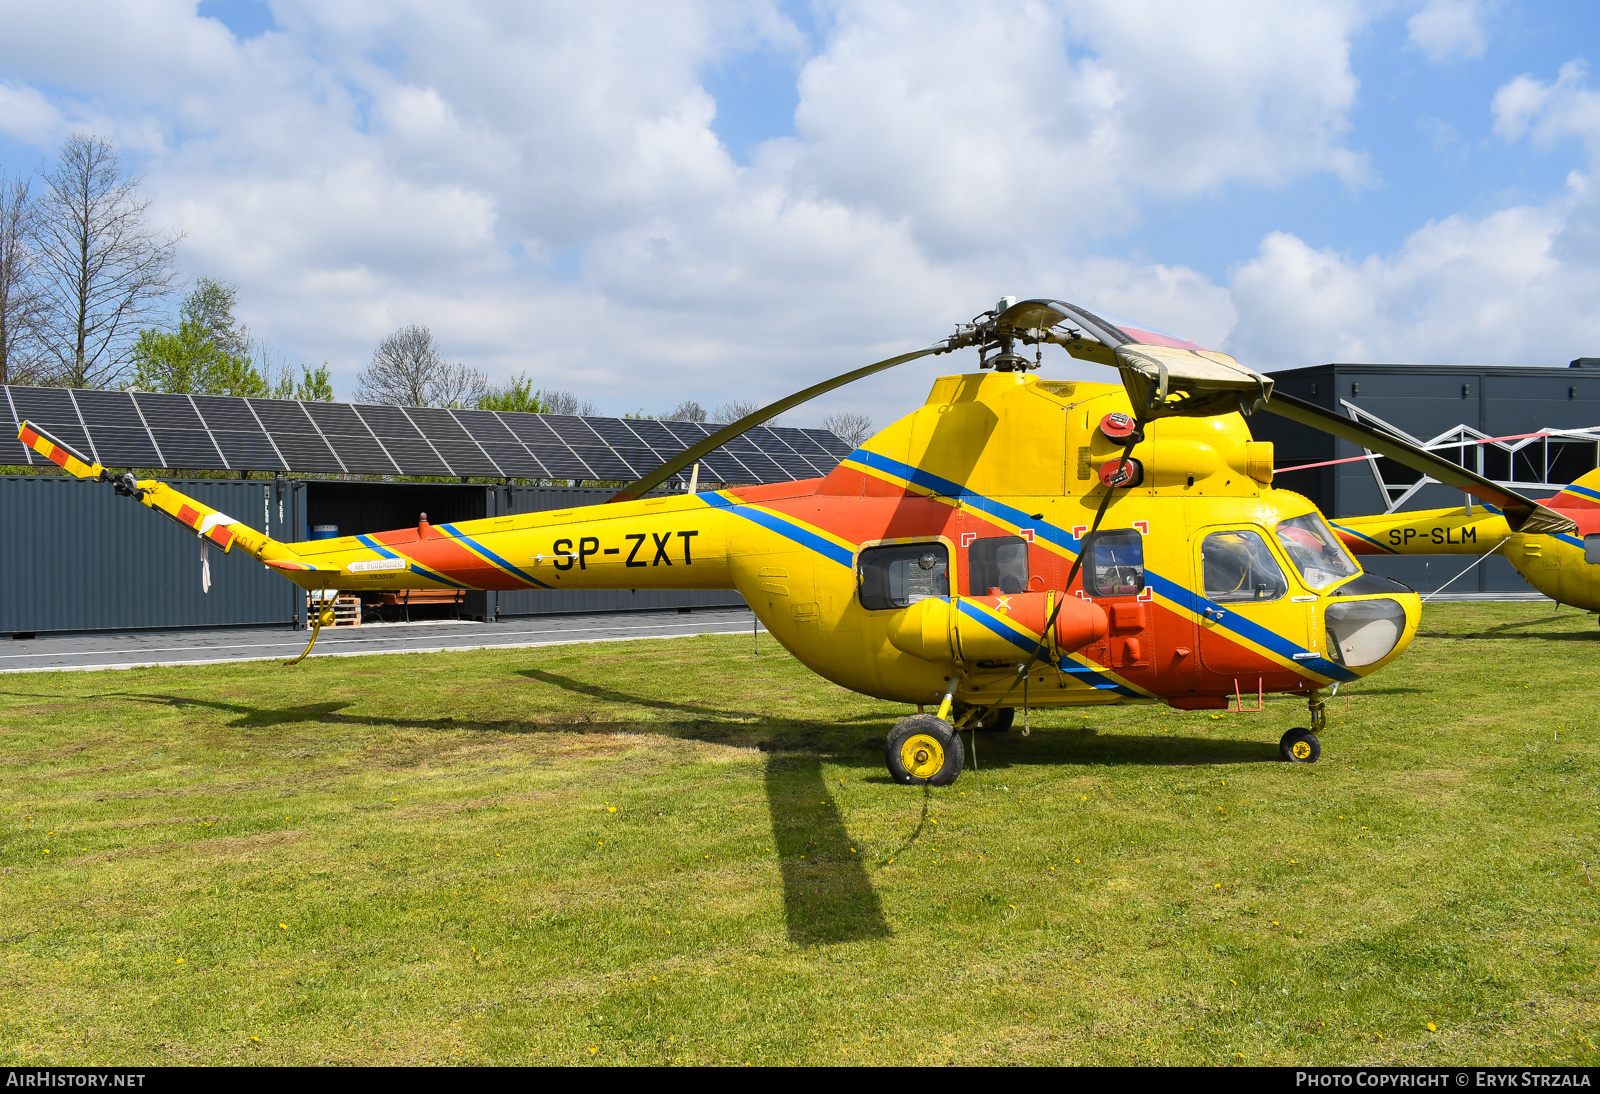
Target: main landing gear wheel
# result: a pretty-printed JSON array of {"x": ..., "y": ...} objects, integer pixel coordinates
[
  {"x": 924, "y": 749},
  {"x": 1300, "y": 746}
]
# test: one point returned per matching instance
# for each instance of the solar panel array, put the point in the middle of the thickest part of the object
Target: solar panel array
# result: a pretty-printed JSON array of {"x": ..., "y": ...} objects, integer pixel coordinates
[{"x": 224, "y": 433}]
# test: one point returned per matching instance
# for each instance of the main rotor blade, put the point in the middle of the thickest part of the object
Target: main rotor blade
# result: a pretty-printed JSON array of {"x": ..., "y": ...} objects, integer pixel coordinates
[
  {"x": 1522, "y": 513},
  {"x": 750, "y": 421}
]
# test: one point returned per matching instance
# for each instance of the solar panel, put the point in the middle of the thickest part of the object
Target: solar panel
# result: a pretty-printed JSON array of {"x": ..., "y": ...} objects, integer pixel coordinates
[
  {"x": 350, "y": 439},
  {"x": 53, "y": 409},
  {"x": 247, "y": 451},
  {"x": 12, "y": 450},
  {"x": 828, "y": 442},
  {"x": 501, "y": 445},
  {"x": 124, "y": 447},
  {"x": 219, "y": 411},
  {"x": 794, "y": 466},
  {"x": 408, "y": 448},
  {"x": 167, "y": 411},
  {"x": 454, "y": 444},
  {"x": 162, "y": 430},
  {"x": 106, "y": 408},
  {"x": 187, "y": 448},
  {"x": 295, "y": 438}
]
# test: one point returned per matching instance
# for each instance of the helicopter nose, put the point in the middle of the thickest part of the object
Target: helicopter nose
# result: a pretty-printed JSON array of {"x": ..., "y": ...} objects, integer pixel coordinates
[{"x": 1365, "y": 632}]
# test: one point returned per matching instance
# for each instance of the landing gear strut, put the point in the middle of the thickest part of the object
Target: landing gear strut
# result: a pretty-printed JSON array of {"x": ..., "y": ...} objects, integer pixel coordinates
[{"x": 1300, "y": 746}]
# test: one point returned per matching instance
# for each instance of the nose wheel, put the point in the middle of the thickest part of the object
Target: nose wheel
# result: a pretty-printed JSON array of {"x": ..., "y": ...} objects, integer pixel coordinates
[
  {"x": 924, "y": 749},
  {"x": 1300, "y": 746}
]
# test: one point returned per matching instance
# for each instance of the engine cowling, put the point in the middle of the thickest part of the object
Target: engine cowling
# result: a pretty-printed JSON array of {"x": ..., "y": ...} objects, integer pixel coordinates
[{"x": 994, "y": 628}]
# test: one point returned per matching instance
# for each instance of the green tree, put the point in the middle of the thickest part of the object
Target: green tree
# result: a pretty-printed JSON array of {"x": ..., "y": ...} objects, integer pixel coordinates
[
  {"x": 315, "y": 386},
  {"x": 210, "y": 304},
  {"x": 517, "y": 394},
  {"x": 188, "y": 361}
]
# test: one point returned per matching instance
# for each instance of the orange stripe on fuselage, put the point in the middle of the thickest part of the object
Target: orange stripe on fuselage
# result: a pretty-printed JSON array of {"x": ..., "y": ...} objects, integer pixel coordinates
[{"x": 448, "y": 557}]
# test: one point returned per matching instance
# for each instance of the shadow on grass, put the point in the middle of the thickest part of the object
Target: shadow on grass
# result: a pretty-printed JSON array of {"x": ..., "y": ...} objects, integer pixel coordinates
[
  {"x": 1517, "y": 629},
  {"x": 827, "y": 896}
]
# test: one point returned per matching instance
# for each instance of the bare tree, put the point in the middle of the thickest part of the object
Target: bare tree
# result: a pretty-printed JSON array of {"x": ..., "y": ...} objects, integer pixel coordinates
[
  {"x": 101, "y": 269},
  {"x": 850, "y": 427},
  {"x": 686, "y": 411},
  {"x": 565, "y": 402},
  {"x": 20, "y": 304},
  {"x": 733, "y": 410},
  {"x": 408, "y": 370}
]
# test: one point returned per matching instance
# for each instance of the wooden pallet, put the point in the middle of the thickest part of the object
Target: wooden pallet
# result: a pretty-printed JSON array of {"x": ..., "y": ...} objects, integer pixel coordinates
[{"x": 346, "y": 610}]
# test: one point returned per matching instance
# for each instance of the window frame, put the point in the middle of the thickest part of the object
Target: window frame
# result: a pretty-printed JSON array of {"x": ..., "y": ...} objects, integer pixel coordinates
[
  {"x": 1087, "y": 570},
  {"x": 1266, "y": 537},
  {"x": 972, "y": 569},
  {"x": 930, "y": 541}
]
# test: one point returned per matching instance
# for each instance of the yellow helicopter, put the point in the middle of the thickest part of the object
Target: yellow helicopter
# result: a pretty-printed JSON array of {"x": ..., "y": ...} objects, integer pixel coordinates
[
  {"x": 1014, "y": 542},
  {"x": 1563, "y": 565}
]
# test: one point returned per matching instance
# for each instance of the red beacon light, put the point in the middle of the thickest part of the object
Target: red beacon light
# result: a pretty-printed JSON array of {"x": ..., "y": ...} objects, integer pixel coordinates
[
  {"x": 1120, "y": 427},
  {"x": 1120, "y": 473}
]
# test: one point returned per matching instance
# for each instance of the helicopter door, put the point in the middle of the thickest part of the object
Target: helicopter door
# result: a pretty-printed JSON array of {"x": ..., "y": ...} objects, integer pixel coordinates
[{"x": 1243, "y": 583}]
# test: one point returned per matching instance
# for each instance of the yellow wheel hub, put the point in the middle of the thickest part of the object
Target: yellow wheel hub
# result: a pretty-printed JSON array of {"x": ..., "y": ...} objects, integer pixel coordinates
[
  {"x": 1301, "y": 750},
  {"x": 922, "y": 756}
]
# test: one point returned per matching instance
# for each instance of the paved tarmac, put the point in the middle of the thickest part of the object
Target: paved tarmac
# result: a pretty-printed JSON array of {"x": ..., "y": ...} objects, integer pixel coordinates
[{"x": 92, "y": 652}]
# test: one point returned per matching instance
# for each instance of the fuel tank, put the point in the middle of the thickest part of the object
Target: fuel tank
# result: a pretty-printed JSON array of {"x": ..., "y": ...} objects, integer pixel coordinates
[{"x": 995, "y": 628}]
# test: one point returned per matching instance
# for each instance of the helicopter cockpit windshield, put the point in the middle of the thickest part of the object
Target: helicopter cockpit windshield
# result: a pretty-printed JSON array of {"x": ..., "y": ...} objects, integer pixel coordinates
[{"x": 1315, "y": 551}]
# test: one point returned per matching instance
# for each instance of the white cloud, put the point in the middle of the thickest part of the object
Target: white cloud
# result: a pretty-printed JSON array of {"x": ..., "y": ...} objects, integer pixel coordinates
[
  {"x": 1516, "y": 286},
  {"x": 1448, "y": 30},
  {"x": 1549, "y": 112},
  {"x": 364, "y": 165},
  {"x": 27, "y": 116}
]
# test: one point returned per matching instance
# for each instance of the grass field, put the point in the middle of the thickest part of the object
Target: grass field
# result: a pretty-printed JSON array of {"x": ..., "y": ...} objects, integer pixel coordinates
[{"x": 675, "y": 851}]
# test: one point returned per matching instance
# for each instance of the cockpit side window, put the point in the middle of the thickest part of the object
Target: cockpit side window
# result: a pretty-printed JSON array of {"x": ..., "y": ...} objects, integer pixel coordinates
[
  {"x": 1315, "y": 551},
  {"x": 1238, "y": 567},
  {"x": 901, "y": 575},
  {"x": 998, "y": 562}
]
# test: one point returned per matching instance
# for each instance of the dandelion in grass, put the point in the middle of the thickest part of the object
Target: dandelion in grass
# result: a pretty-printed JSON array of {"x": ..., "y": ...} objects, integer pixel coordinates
[{"x": 1432, "y": 1028}]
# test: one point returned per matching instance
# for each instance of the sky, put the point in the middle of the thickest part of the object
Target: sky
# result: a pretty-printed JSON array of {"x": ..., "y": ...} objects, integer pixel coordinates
[{"x": 706, "y": 200}]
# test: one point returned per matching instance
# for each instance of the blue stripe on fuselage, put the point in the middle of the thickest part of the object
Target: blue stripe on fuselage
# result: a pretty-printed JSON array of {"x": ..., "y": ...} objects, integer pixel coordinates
[
  {"x": 452, "y": 530},
  {"x": 421, "y": 571},
  {"x": 1179, "y": 594},
  {"x": 774, "y": 523},
  {"x": 1032, "y": 647}
]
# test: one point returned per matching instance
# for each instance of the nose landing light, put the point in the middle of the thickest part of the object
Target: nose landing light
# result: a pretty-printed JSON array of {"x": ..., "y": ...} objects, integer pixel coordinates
[{"x": 1364, "y": 632}]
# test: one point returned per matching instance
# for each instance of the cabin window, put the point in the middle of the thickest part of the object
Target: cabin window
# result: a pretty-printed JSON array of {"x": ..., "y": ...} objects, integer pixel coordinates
[
  {"x": 1116, "y": 563},
  {"x": 1315, "y": 551},
  {"x": 1591, "y": 549},
  {"x": 997, "y": 565},
  {"x": 1237, "y": 567},
  {"x": 899, "y": 576}
]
